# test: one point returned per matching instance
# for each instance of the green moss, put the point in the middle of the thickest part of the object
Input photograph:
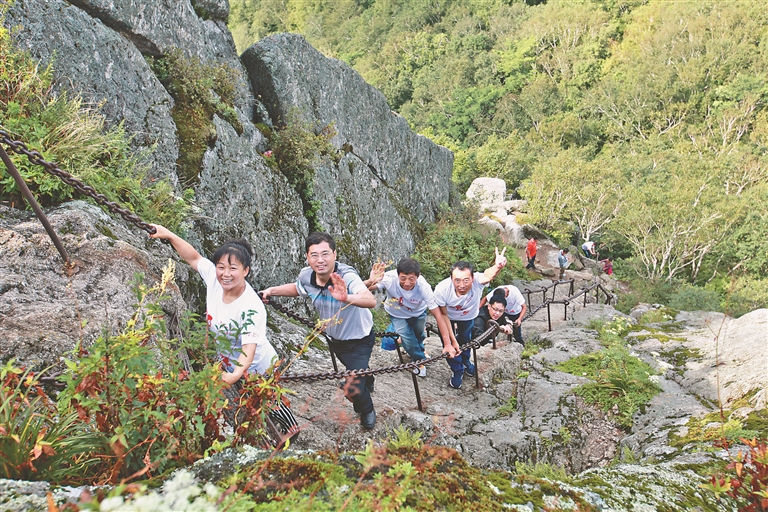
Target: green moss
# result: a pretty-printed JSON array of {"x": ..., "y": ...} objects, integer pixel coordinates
[
  {"x": 680, "y": 356},
  {"x": 714, "y": 427},
  {"x": 104, "y": 230},
  {"x": 200, "y": 91}
]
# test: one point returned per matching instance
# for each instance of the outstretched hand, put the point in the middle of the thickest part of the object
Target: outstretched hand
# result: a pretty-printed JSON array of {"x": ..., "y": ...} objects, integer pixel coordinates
[
  {"x": 377, "y": 272},
  {"x": 501, "y": 260},
  {"x": 338, "y": 288}
]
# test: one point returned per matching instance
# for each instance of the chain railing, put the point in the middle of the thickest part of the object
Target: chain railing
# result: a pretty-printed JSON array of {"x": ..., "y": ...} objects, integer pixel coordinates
[{"x": 53, "y": 169}]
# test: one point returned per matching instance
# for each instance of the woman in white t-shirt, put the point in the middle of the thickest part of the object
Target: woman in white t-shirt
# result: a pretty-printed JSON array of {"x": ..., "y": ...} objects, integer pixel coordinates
[
  {"x": 234, "y": 310},
  {"x": 232, "y": 306}
]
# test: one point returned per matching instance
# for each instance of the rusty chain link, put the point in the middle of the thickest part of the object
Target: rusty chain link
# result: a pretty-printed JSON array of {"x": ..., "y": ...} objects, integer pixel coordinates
[{"x": 53, "y": 169}]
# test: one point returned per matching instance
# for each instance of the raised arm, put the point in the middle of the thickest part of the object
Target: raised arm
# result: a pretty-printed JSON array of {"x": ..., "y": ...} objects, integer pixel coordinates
[
  {"x": 491, "y": 272},
  {"x": 182, "y": 247},
  {"x": 376, "y": 275},
  {"x": 361, "y": 299}
]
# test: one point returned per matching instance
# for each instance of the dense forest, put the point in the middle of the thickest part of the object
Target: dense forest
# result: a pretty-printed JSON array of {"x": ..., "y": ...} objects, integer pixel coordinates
[{"x": 639, "y": 124}]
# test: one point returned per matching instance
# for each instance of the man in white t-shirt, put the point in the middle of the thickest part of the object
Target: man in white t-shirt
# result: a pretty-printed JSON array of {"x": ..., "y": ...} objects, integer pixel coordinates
[
  {"x": 514, "y": 310},
  {"x": 458, "y": 298},
  {"x": 409, "y": 297},
  {"x": 589, "y": 249}
]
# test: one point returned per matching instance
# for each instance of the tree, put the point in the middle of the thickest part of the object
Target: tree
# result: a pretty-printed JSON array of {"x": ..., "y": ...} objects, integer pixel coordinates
[{"x": 569, "y": 188}]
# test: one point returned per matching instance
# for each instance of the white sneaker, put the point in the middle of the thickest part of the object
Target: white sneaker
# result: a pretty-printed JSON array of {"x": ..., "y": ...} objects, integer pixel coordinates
[{"x": 421, "y": 371}]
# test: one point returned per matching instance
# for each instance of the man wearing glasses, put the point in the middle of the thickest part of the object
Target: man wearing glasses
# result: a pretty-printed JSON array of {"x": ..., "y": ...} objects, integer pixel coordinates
[
  {"x": 514, "y": 308},
  {"x": 343, "y": 304},
  {"x": 458, "y": 298}
]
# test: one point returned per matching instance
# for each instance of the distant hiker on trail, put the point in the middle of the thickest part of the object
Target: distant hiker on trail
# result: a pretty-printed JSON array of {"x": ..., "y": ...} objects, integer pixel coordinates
[
  {"x": 562, "y": 260},
  {"x": 409, "y": 296},
  {"x": 589, "y": 249},
  {"x": 530, "y": 253},
  {"x": 607, "y": 266},
  {"x": 514, "y": 308},
  {"x": 493, "y": 310},
  {"x": 343, "y": 303},
  {"x": 234, "y": 310},
  {"x": 459, "y": 300}
]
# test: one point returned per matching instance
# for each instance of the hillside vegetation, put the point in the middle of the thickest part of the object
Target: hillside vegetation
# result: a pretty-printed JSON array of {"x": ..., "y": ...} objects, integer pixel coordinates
[{"x": 641, "y": 125}]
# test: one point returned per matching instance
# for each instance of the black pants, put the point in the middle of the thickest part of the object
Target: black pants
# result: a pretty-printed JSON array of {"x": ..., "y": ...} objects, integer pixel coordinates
[
  {"x": 517, "y": 330},
  {"x": 531, "y": 262},
  {"x": 354, "y": 355}
]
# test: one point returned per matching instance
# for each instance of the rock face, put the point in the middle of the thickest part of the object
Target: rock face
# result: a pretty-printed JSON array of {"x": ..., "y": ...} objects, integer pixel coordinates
[
  {"x": 388, "y": 177},
  {"x": 387, "y": 182},
  {"x": 44, "y": 311}
]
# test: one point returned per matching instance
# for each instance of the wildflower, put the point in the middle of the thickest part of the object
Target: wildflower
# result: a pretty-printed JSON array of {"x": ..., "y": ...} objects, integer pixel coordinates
[{"x": 268, "y": 154}]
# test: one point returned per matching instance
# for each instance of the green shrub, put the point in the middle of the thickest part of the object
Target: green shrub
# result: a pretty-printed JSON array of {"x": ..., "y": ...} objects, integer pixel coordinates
[
  {"x": 457, "y": 236},
  {"x": 74, "y": 136},
  {"x": 621, "y": 381},
  {"x": 153, "y": 414},
  {"x": 36, "y": 443},
  {"x": 745, "y": 294},
  {"x": 694, "y": 298},
  {"x": 296, "y": 147}
]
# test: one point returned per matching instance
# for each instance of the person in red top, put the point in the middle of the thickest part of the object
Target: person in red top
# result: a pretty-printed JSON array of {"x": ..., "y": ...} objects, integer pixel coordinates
[{"x": 530, "y": 253}]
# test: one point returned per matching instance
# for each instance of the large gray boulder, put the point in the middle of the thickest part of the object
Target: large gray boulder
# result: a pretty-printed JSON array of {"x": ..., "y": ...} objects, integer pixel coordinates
[
  {"x": 44, "y": 310},
  {"x": 104, "y": 68},
  {"x": 388, "y": 175}
]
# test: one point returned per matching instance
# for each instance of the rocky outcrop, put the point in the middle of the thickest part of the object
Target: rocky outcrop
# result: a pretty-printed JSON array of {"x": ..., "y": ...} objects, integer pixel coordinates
[
  {"x": 45, "y": 311},
  {"x": 389, "y": 180}
]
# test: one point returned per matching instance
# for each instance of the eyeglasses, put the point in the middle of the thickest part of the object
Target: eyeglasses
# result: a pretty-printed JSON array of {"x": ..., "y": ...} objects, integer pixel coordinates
[
  {"x": 316, "y": 256},
  {"x": 498, "y": 310}
]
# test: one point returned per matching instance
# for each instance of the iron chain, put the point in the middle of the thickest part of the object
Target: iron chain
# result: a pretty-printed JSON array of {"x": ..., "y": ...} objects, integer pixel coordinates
[{"x": 53, "y": 169}]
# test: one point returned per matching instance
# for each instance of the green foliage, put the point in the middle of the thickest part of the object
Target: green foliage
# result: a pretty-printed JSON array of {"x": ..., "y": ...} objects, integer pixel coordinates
[
  {"x": 509, "y": 408},
  {"x": 74, "y": 136},
  {"x": 296, "y": 148},
  {"x": 133, "y": 388},
  {"x": 747, "y": 478},
  {"x": 694, "y": 298},
  {"x": 200, "y": 91},
  {"x": 35, "y": 443},
  {"x": 542, "y": 470},
  {"x": 608, "y": 117},
  {"x": 456, "y": 237},
  {"x": 403, "y": 438},
  {"x": 622, "y": 382}
]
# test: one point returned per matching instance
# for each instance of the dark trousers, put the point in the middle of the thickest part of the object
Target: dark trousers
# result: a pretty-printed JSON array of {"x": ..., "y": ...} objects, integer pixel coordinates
[
  {"x": 354, "y": 355},
  {"x": 463, "y": 336},
  {"x": 517, "y": 330},
  {"x": 531, "y": 262}
]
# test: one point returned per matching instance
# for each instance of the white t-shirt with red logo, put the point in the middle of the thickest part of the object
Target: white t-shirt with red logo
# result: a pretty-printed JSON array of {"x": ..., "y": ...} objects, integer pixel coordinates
[
  {"x": 243, "y": 321},
  {"x": 515, "y": 299},
  {"x": 403, "y": 303},
  {"x": 464, "y": 307}
]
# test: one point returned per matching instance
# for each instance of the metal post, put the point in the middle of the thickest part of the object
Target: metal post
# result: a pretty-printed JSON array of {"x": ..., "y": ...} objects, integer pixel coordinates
[
  {"x": 477, "y": 370},
  {"x": 333, "y": 356},
  {"x": 565, "y": 310},
  {"x": 31, "y": 200},
  {"x": 549, "y": 316},
  {"x": 413, "y": 375},
  {"x": 585, "y": 299}
]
